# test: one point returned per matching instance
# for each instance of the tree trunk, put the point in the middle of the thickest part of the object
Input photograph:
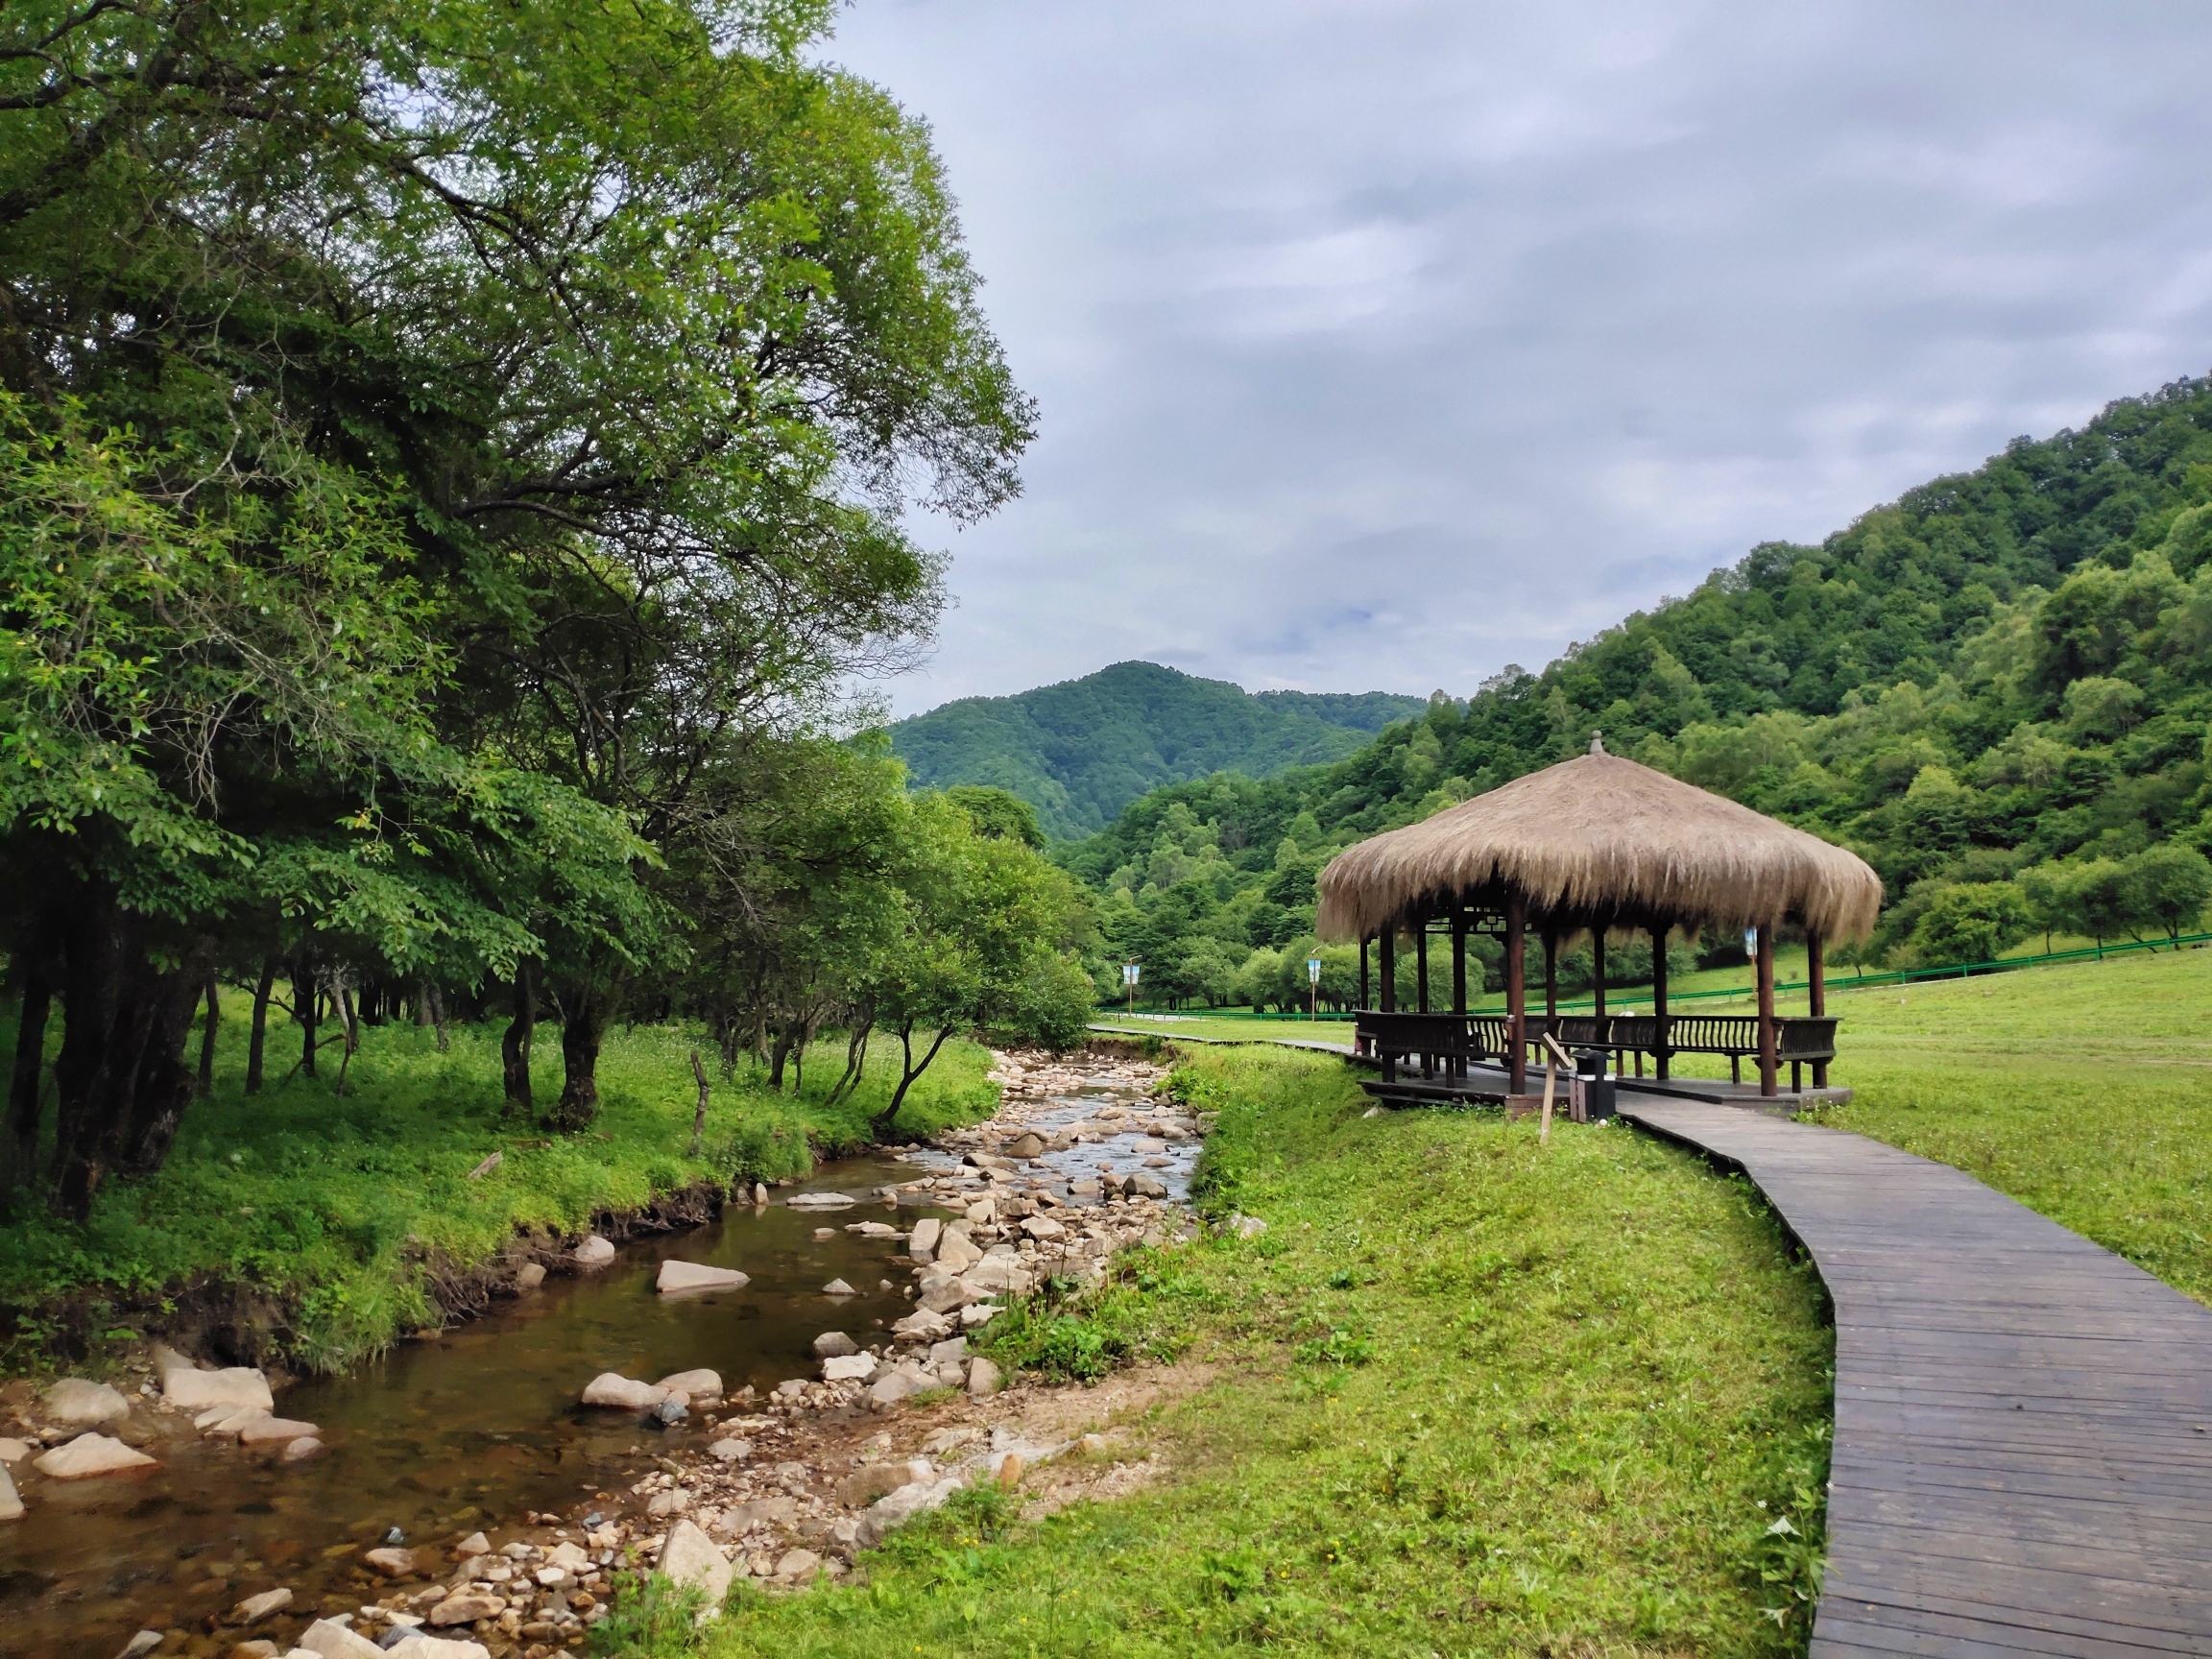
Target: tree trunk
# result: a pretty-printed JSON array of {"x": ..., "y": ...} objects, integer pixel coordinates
[
  {"x": 205, "y": 1084},
  {"x": 121, "y": 1077},
  {"x": 514, "y": 1046},
  {"x": 258, "y": 1036},
  {"x": 585, "y": 1014},
  {"x": 881, "y": 1125},
  {"x": 19, "y": 1153},
  {"x": 777, "y": 1056},
  {"x": 698, "y": 1118},
  {"x": 303, "y": 994}
]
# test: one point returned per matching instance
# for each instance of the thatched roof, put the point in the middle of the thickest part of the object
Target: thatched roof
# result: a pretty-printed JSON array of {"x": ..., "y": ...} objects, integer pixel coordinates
[{"x": 1599, "y": 838}]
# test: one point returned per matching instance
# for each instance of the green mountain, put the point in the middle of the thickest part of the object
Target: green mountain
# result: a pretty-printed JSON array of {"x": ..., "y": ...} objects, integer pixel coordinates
[
  {"x": 1996, "y": 689},
  {"x": 1080, "y": 751}
]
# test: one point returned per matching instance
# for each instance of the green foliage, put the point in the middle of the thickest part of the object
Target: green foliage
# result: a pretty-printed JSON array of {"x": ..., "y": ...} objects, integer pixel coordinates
[
  {"x": 652, "y": 1619},
  {"x": 1079, "y": 751},
  {"x": 1466, "y": 1395}
]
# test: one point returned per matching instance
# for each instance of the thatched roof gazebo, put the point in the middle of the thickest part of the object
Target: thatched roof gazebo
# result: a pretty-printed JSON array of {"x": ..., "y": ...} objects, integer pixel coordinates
[{"x": 1599, "y": 844}]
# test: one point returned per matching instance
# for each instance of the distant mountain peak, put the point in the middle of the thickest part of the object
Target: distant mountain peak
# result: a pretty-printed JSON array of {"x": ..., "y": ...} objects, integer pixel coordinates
[{"x": 1081, "y": 750}]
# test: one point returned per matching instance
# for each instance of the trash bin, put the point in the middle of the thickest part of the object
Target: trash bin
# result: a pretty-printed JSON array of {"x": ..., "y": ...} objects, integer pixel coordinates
[{"x": 1593, "y": 1088}]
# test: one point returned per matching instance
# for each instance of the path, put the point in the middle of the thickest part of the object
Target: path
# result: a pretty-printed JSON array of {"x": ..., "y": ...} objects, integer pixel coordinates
[{"x": 2023, "y": 1453}]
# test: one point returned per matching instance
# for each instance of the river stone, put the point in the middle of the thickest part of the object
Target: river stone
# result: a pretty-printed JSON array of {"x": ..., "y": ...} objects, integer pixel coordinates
[
  {"x": 731, "y": 1450},
  {"x": 799, "y": 1565},
  {"x": 10, "y": 1505},
  {"x": 1042, "y": 1227},
  {"x": 956, "y": 1252},
  {"x": 530, "y": 1276},
  {"x": 679, "y": 1276},
  {"x": 142, "y": 1644},
  {"x": 834, "y": 1345},
  {"x": 595, "y": 1251},
  {"x": 333, "y": 1641},
  {"x": 420, "y": 1646},
  {"x": 873, "y": 1480},
  {"x": 924, "y": 1326},
  {"x": 468, "y": 1607},
  {"x": 847, "y": 1368},
  {"x": 14, "y": 1450},
  {"x": 690, "y": 1557},
  {"x": 391, "y": 1562},
  {"x": 608, "y": 1388},
  {"x": 255, "y": 1608},
  {"x": 982, "y": 1212},
  {"x": 760, "y": 1512},
  {"x": 300, "y": 1449},
  {"x": 909, "y": 1500},
  {"x": 978, "y": 1314},
  {"x": 838, "y": 1287},
  {"x": 241, "y": 1386},
  {"x": 995, "y": 1274},
  {"x": 1247, "y": 1226},
  {"x": 1143, "y": 1186},
  {"x": 983, "y": 1378},
  {"x": 90, "y": 1454},
  {"x": 894, "y": 1386},
  {"x": 821, "y": 1200},
  {"x": 943, "y": 1294},
  {"x": 263, "y": 1430},
  {"x": 699, "y": 1384},
  {"x": 922, "y": 1245},
  {"x": 79, "y": 1403},
  {"x": 256, "y": 1649},
  {"x": 476, "y": 1544},
  {"x": 1029, "y": 1145}
]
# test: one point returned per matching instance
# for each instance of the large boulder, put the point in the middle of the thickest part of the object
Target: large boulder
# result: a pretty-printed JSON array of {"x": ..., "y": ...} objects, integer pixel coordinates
[
  {"x": 90, "y": 1454},
  {"x": 10, "y": 1505},
  {"x": 333, "y": 1641},
  {"x": 595, "y": 1251},
  {"x": 80, "y": 1402},
  {"x": 917, "y": 1498},
  {"x": 956, "y": 1253},
  {"x": 834, "y": 1345},
  {"x": 677, "y": 1277},
  {"x": 894, "y": 1386},
  {"x": 608, "y": 1388},
  {"x": 1026, "y": 1145},
  {"x": 262, "y": 1429},
  {"x": 922, "y": 1244},
  {"x": 923, "y": 1326},
  {"x": 1140, "y": 1185},
  {"x": 848, "y": 1369},
  {"x": 983, "y": 1378},
  {"x": 699, "y": 1384},
  {"x": 241, "y": 1386},
  {"x": 692, "y": 1558},
  {"x": 821, "y": 1200}
]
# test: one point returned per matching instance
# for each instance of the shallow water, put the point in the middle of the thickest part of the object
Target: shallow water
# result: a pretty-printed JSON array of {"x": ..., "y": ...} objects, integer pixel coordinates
[{"x": 465, "y": 1429}]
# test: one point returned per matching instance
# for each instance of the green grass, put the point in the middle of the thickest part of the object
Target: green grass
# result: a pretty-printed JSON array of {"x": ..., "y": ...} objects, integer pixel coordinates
[
  {"x": 2084, "y": 1092},
  {"x": 336, "y": 1208},
  {"x": 1470, "y": 1395}
]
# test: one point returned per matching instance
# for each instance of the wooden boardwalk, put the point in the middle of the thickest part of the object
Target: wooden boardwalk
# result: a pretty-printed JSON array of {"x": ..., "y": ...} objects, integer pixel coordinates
[{"x": 2023, "y": 1453}]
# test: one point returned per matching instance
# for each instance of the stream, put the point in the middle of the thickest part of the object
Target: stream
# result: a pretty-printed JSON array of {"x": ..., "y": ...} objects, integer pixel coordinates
[{"x": 477, "y": 1426}]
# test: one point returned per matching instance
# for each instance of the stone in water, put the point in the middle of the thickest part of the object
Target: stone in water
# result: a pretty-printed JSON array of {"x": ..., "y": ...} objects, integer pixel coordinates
[
  {"x": 677, "y": 1277},
  {"x": 90, "y": 1454}
]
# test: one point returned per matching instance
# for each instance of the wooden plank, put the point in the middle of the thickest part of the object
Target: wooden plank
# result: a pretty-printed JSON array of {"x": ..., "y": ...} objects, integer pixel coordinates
[{"x": 2023, "y": 1452}]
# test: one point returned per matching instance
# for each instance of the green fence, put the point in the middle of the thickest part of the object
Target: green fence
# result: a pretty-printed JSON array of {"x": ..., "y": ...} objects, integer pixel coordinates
[{"x": 1836, "y": 982}]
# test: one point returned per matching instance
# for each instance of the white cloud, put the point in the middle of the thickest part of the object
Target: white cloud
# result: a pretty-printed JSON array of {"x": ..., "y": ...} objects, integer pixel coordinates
[{"x": 1379, "y": 344}]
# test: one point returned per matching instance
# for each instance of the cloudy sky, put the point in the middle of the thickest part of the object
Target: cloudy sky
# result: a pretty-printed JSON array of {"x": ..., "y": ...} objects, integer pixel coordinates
[{"x": 1381, "y": 344}]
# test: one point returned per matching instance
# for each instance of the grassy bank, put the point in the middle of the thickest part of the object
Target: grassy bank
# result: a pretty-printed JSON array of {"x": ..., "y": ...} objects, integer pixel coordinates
[
  {"x": 2084, "y": 1092},
  {"x": 334, "y": 1209},
  {"x": 1471, "y": 1395}
]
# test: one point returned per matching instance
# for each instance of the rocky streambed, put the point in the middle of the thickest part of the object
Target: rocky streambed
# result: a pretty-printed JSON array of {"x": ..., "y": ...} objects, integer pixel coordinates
[{"x": 760, "y": 1397}]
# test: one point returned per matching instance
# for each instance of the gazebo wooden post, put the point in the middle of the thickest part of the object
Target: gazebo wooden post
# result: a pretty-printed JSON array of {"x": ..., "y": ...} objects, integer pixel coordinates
[
  {"x": 1767, "y": 1063},
  {"x": 1458, "y": 1066},
  {"x": 1817, "y": 993},
  {"x": 1660, "y": 1051},
  {"x": 1598, "y": 982},
  {"x": 1551, "y": 981},
  {"x": 1421, "y": 965},
  {"x": 1389, "y": 998},
  {"x": 1517, "y": 993},
  {"x": 1363, "y": 989}
]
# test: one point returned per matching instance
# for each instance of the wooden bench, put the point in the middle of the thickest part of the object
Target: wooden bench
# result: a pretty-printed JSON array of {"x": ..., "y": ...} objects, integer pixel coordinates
[
  {"x": 1799, "y": 1040},
  {"x": 1431, "y": 1039}
]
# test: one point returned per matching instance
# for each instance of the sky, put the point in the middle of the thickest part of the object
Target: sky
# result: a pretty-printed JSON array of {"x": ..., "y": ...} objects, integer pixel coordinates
[{"x": 1380, "y": 344}]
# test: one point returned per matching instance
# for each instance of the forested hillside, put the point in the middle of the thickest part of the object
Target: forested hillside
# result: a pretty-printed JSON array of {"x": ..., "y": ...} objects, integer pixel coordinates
[
  {"x": 1995, "y": 688},
  {"x": 1081, "y": 750}
]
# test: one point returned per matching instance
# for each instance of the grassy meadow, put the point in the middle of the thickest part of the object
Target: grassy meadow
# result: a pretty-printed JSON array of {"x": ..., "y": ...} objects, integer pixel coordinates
[
  {"x": 1468, "y": 1395},
  {"x": 332, "y": 1206}
]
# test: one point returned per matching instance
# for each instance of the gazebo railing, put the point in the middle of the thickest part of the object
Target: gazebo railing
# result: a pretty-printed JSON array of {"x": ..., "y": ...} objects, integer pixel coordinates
[{"x": 1444, "y": 1044}]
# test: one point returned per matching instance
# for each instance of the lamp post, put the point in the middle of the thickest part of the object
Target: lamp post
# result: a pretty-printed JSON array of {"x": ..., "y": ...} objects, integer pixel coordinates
[
  {"x": 1129, "y": 972},
  {"x": 1313, "y": 980}
]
